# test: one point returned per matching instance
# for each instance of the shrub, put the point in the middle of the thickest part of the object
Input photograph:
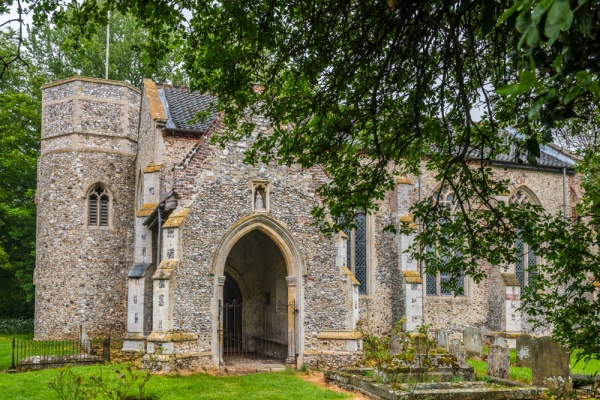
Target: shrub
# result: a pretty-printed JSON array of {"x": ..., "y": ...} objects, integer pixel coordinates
[{"x": 16, "y": 325}]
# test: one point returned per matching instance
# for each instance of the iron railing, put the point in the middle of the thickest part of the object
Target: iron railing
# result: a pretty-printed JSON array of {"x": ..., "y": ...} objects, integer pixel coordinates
[{"x": 38, "y": 354}]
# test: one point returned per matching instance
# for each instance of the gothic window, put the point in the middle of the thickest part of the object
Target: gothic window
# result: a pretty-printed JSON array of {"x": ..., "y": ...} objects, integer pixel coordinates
[
  {"x": 356, "y": 256},
  {"x": 99, "y": 207},
  {"x": 526, "y": 265},
  {"x": 435, "y": 282}
]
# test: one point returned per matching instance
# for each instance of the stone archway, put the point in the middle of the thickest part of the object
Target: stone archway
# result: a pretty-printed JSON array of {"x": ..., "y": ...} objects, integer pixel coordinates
[{"x": 274, "y": 234}]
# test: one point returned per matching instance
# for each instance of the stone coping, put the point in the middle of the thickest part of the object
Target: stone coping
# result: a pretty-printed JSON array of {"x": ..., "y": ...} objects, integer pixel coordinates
[
  {"x": 403, "y": 180},
  {"x": 92, "y": 80},
  {"x": 146, "y": 209},
  {"x": 176, "y": 219},
  {"x": 331, "y": 353},
  {"x": 172, "y": 336},
  {"x": 157, "y": 111},
  {"x": 350, "y": 276},
  {"x": 151, "y": 167},
  {"x": 510, "y": 280},
  {"x": 339, "y": 334},
  {"x": 412, "y": 277}
]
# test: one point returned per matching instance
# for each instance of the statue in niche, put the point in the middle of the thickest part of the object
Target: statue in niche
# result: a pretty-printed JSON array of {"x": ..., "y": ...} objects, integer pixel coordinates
[{"x": 259, "y": 203}]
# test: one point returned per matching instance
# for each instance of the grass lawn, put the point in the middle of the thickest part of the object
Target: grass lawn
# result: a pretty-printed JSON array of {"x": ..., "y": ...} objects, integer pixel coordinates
[
  {"x": 275, "y": 385},
  {"x": 522, "y": 374}
]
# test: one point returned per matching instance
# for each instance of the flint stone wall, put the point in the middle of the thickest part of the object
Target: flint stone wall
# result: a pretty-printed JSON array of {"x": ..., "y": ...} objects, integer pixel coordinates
[{"x": 80, "y": 274}]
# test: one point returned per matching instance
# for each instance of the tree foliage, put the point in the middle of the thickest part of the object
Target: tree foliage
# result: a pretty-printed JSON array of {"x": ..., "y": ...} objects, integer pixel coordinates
[{"x": 19, "y": 140}]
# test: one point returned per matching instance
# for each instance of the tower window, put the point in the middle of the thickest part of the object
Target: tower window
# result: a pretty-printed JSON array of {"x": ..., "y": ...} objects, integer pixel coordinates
[{"x": 98, "y": 207}]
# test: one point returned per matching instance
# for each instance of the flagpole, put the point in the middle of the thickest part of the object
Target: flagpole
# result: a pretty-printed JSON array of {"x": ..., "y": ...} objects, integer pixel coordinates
[{"x": 107, "y": 42}]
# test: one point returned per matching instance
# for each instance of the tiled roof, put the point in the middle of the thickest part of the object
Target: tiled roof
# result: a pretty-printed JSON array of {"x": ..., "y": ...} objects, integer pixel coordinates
[{"x": 181, "y": 107}]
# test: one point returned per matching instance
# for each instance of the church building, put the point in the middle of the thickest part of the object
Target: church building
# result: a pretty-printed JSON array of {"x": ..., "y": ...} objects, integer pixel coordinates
[{"x": 149, "y": 233}]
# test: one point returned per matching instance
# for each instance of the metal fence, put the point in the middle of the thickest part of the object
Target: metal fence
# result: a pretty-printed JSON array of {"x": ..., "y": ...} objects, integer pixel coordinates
[
  {"x": 276, "y": 346},
  {"x": 39, "y": 354}
]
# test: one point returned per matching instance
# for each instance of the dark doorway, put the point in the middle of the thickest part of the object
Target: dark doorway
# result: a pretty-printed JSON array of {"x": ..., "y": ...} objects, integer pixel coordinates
[{"x": 232, "y": 313}]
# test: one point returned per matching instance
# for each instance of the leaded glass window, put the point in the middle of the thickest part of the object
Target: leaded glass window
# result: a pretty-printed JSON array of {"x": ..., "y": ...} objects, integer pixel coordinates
[
  {"x": 356, "y": 256},
  {"x": 526, "y": 264},
  {"x": 98, "y": 207},
  {"x": 436, "y": 283}
]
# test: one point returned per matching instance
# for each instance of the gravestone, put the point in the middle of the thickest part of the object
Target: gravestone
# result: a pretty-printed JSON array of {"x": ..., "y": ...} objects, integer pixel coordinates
[
  {"x": 524, "y": 350},
  {"x": 550, "y": 365},
  {"x": 442, "y": 338},
  {"x": 473, "y": 342},
  {"x": 396, "y": 346},
  {"x": 500, "y": 341},
  {"x": 498, "y": 362},
  {"x": 457, "y": 348}
]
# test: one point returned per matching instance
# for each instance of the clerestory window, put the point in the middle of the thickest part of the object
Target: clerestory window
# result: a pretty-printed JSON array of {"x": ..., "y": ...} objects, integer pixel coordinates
[{"x": 99, "y": 207}]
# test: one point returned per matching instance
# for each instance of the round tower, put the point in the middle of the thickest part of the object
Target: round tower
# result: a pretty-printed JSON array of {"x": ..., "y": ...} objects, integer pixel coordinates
[{"x": 85, "y": 207}]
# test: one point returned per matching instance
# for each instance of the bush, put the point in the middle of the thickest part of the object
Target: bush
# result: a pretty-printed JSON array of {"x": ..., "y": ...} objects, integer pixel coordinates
[
  {"x": 112, "y": 382},
  {"x": 16, "y": 326}
]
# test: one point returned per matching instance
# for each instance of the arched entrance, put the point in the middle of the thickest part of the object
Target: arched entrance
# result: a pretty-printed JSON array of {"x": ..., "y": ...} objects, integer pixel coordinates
[
  {"x": 255, "y": 324},
  {"x": 257, "y": 308}
]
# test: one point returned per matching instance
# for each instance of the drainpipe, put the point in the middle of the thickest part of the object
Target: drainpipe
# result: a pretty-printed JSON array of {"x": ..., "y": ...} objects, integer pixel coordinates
[
  {"x": 159, "y": 241},
  {"x": 565, "y": 193},
  {"x": 424, "y": 281}
]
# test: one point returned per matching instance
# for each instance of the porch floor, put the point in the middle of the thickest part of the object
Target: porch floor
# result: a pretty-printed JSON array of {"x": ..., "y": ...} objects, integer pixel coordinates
[{"x": 253, "y": 363}]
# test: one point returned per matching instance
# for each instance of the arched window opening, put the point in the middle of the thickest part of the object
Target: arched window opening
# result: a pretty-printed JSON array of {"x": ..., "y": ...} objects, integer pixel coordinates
[
  {"x": 98, "y": 207},
  {"x": 435, "y": 283},
  {"x": 526, "y": 264}
]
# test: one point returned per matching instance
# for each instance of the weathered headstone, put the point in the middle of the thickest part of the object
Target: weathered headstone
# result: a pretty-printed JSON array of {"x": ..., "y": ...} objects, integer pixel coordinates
[
  {"x": 500, "y": 341},
  {"x": 442, "y": 338},
  {"x": 524, "y": 350},
  {"x": 473, "y": 342},
  {"x": 458, "y": 349},
  {"x": 498, "y": 362},
  {"x": 397, "y": 346},
  {"x": 550, "y": 365}
]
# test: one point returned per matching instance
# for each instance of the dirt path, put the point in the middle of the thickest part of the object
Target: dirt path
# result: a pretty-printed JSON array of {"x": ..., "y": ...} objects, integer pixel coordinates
[{"x": 319, "y": 379}]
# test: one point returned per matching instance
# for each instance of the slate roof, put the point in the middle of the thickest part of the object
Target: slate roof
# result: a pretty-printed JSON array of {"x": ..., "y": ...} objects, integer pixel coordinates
[
  {"x": 545, "y": 160},
  {"x": 181, "y": 107}
]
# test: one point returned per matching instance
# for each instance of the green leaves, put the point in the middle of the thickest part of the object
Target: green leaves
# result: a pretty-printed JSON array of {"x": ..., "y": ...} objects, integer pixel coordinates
[
  {"x": 559, "y": 18},
  {"x": 527, "y": 81}
]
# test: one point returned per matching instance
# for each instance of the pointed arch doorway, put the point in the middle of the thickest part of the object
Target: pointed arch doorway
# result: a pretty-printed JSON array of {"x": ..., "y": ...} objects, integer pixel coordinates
[{"x": 257, "y": 310}]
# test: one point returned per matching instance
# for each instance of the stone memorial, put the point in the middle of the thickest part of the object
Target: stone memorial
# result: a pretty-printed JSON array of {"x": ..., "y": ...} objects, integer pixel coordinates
[
  {"x": 500, "y": 341},
  {"x": 457, "y": 348},
  {"x": 442, "y": 338},
  {"x": 524, "y": 349},
  {"x": 473, "y": 342},
  {"x": 397, "y": 345},
  {"x": 498, "y": 362},
  {"x": 550, "y": 365}
]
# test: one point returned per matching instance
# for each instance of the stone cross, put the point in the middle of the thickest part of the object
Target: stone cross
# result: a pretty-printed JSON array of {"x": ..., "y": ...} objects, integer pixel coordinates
[
  {"x": 498, "y": 362},
  {"x": 550, "y": 365},
  {"x": 473, "y": 342}
]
